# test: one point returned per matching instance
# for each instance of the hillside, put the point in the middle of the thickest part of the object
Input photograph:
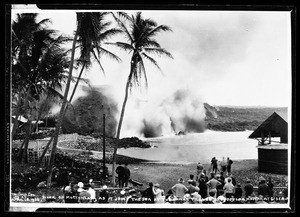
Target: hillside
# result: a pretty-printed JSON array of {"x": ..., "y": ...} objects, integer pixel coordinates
[{"x": 230, "y": 118}]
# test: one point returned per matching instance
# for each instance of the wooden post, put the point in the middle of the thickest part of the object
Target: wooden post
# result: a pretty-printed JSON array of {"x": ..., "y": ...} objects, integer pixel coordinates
[{"x": 103, "y": 159}]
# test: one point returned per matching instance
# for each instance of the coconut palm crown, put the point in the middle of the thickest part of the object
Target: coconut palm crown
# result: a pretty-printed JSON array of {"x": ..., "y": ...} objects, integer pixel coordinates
[{"x": 140, "y": 34}]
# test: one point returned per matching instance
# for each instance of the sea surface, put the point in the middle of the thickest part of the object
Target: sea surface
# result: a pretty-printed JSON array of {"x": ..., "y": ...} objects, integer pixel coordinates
[{"x": 196, "y": 147}]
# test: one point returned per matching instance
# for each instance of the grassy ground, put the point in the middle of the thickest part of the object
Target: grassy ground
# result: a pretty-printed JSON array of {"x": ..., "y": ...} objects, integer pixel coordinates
[{"x": 167, "y": 175}]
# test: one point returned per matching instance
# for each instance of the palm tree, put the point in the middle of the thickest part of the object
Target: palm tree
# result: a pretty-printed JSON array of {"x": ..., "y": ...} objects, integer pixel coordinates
[
  {"x": 90, "y": 27},
  {"x": 91, "y": 47},
  {"x": 22, "y": 40},
  {"x": 39, "y": 63},
  {"x": 141, "y": 43}
]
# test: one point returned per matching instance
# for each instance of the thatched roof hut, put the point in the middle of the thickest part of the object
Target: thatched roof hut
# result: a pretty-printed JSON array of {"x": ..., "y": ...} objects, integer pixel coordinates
[{"x": 272, "y": 152}]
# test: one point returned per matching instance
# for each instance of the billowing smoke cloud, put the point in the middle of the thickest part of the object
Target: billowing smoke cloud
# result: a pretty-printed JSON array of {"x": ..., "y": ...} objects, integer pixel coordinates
[
  {"x": 183, "y": 112},
  {"x": 86, "y": 114}
]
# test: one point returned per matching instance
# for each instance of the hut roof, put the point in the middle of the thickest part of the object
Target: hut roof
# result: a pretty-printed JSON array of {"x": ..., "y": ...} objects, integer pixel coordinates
[{"x": 273, "y": 125}]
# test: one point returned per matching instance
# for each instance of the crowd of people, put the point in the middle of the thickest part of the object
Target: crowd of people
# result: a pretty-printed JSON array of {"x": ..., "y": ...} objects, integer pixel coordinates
[{"x": 212, "y": 186}]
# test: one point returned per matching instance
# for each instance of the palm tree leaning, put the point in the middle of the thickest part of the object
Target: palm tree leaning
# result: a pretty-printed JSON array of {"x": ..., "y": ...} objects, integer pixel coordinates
[
  {"x": 91, "y": 31},
  {"x": 140, "y": 34},
  {"x": 90, "y": 37}
]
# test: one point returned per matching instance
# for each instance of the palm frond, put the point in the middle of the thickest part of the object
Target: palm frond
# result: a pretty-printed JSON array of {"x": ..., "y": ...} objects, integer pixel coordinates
[
  {"x": 98, "y": 61},
  {"x": 143, "y": 72},
  {"x": 109, "y": 54},
  {"x": 122, "y": 45},
  {"x": 158, "y": 51},
  {"x": 109, "y": 33},
  {"x": 124, "y": 15},
  {"x": 147, "y": 42},
  {"x": 152, "y": 60},
  {"x": 123, "y": 26}
]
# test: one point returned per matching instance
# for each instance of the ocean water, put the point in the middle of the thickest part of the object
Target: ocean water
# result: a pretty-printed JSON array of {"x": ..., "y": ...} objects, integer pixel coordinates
[{"x": 196, "y": 147}]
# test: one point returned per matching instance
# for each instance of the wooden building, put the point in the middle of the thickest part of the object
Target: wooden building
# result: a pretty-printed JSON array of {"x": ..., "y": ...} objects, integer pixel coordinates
[{"x": 272, "y": 136}]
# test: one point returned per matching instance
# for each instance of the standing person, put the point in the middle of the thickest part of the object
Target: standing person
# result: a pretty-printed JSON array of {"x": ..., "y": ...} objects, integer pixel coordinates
[
  {"x": 158, "y": 194},
  {"x": 204, "y": 174},
  {"x": 199, "y": 170},
  {"x": 228, "y": 188},
  {"x": 271, "y": 186},
  {"x": 222, "y": 177},
  {"x": 233, "y": 181},
  {"x": 120, "y": 171},
  {"x": 179, "y": 189},
  {"x": 220, "y": 187},
  {"x": 223, "y": 165},
  {"x": 214, "y": 164},
  {"x": 248, "y": 188},
  {"x": 203, "y": 187},
  {"x": 148, "y": 193},
  {"x": 229, "y": 162},
  {"x": 126, "y": 175},
  {"x": 212, "y": 185}
]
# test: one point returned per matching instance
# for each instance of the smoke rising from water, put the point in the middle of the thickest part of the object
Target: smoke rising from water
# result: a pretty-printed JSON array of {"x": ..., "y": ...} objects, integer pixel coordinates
[{"x": 181, "y": 112}]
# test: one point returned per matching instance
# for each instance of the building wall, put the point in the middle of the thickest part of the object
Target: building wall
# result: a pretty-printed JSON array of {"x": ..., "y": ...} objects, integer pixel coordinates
[{"x": 273, "y": 161}]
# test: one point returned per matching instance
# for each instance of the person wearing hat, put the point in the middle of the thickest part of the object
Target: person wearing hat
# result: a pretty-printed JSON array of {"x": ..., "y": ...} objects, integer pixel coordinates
[
  {"x": 158, "y": 194},
  {"x": 179, "y": 189}
]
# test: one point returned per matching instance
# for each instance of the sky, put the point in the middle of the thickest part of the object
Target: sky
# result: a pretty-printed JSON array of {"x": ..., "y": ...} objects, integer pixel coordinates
[{"x": 239, "y": 58}]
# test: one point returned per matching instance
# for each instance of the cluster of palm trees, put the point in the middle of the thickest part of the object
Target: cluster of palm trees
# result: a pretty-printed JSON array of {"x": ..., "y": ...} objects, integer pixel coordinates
[{"x": 40, "y": 64}]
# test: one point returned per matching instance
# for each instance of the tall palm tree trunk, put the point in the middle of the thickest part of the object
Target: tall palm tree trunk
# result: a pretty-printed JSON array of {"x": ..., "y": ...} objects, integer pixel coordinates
[
  {"x": 20, "y": 152},
  {"x": 27, "y": 138},
  {"x": 16, "y": 122},
  {"x": 45, "y": 151},
  {"x": 70, "y": 100},
  {"x": 77, "y": 82},
  {"x": 62, "y": 111},
  {"x": 119, "y": 130}
]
